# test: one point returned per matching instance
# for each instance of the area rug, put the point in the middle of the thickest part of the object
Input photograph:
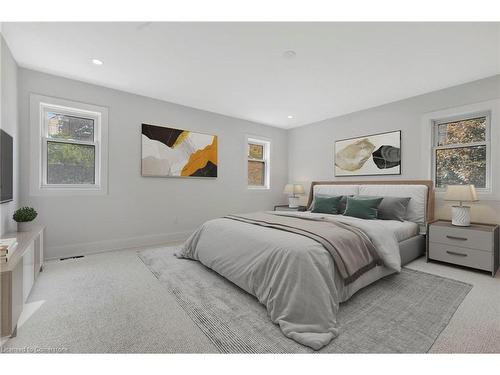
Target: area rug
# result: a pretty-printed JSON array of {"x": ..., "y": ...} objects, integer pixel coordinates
[{"x": 401, "y": 313}]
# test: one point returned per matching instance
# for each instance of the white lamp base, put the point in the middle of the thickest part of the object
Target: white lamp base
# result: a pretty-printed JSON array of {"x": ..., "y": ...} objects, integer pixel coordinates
[
  {"x": 460, "y": 216},
  {"x": 293, "y": 202}
]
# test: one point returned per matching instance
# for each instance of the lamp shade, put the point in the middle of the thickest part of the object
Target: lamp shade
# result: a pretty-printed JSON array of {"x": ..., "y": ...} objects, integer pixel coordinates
[
  {"x": 461, "y": 193},
  {"x": 293, "y": 189}
]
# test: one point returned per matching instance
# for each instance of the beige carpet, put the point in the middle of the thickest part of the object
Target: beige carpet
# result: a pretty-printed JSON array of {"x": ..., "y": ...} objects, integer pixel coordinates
[
  {"x": 475, "y": 327},
  {"x": 105, "y": 303},
  {"x": 110, "y": 302}
]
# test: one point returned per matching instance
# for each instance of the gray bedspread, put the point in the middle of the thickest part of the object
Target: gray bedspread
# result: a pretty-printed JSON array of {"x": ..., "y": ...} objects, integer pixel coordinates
[
  {"x": 350, "y": 247},
  {"x": 294, "y": 276}
]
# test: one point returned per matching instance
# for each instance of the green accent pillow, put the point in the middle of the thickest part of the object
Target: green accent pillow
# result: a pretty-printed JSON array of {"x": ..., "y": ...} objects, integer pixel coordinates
[
  {"x": 326, "y": 205},
  {"x": 362, "y": 208}
]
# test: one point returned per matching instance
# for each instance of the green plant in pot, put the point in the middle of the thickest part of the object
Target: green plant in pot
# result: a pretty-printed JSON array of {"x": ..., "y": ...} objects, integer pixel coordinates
[{"x": 24, "y": 217}]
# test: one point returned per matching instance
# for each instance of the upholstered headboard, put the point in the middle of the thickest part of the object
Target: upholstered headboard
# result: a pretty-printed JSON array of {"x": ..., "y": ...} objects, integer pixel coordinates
[{"x": 352, "y": 186}]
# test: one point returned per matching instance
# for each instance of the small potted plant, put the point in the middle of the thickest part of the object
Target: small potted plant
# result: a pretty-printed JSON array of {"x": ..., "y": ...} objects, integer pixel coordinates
[{"x": 24, "y": 216}]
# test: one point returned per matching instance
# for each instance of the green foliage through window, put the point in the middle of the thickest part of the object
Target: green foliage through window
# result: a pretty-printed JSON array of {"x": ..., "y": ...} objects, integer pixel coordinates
[
  {"x": 69, "y": 163},
  {"x": 70, "y": 127},
  {"x": 465, "y": 131},
  {"x": 255, "y": 151},
  {"x": 461, "y": 153}
]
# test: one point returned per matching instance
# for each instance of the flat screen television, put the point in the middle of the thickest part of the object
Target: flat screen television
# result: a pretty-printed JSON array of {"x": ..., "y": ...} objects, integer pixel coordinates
[{"x": 6, "y": 167}]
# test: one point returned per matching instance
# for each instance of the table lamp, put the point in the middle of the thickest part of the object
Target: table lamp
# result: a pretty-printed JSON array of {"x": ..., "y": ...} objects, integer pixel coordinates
[
  {"x": 460, "y": 215},
  {"x": 292, "y": 190}
]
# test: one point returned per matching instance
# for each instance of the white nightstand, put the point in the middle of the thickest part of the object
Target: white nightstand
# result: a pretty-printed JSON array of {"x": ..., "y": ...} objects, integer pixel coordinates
[{"x": 475, "y": 246}]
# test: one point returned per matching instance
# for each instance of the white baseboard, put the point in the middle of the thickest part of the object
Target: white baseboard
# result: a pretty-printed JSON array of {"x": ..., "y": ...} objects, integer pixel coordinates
[{"x": 87, "y": 248}]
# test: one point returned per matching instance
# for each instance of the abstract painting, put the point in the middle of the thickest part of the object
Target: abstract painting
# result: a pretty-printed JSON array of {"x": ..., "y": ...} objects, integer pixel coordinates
[
  {"x": 169, "y": 152},
  {"x": 377, "y": 154}
]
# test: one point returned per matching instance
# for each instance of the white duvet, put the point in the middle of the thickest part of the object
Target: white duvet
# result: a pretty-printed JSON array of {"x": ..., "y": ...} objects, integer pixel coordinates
[{"x": 292, "y": 275}]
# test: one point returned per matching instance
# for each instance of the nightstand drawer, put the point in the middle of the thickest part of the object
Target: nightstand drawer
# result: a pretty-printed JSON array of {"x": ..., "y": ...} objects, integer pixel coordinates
[
  {"x": 472, "y": 239},
  {"x": 461, "y": 255}
]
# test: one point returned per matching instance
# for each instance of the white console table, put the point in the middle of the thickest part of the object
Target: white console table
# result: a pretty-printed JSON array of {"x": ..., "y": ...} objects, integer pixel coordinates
[{"x": 19, "y": 274}]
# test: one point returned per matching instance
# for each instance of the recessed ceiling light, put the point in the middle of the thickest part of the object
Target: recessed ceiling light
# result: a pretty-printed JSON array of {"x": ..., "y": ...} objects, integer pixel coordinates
[
  {"x": 289, "y": 116},
  {"x": 97, "y": 62},
  {"x": 289, "y": 54}
]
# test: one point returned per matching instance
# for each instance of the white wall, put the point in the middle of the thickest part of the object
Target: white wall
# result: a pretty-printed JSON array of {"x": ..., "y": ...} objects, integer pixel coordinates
[
  {"x": 9, "y": 124},
  {"x": 311, "y": 146},
  {"x": 139, "y": 210}
]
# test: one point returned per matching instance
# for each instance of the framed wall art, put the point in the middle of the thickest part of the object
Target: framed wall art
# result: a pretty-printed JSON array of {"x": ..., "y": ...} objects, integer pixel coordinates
[
  {"x": 170, "y": 152},
  {"x": 371, "y": 155}
]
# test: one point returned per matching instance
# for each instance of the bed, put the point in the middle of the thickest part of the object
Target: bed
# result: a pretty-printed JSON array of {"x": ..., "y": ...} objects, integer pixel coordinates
[{"x": 302, "y": 265}]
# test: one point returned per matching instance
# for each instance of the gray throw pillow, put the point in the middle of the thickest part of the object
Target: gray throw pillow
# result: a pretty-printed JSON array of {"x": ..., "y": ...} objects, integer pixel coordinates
[{"x": 391, "y": 208}]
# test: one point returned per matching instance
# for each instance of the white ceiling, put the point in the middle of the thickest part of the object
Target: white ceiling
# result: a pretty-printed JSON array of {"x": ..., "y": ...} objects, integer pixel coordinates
[{"x": 238, "y": 69}]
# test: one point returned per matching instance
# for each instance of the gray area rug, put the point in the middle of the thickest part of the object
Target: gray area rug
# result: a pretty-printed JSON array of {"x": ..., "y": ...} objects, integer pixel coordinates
[{"x": 402, "y": 313}]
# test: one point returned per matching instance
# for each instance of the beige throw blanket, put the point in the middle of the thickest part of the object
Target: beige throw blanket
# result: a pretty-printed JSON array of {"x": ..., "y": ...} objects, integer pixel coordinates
[{"x": 351, "y": 249}]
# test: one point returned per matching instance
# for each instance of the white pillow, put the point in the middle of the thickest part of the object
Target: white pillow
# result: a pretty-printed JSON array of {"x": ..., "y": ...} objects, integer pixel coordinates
[{"x": 335, "y": 190}]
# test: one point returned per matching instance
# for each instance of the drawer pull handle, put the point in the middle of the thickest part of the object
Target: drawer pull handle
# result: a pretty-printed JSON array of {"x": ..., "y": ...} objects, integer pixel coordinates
[
  {"x": 454, "y": 253},
  {"x": 457, "y": 238}
]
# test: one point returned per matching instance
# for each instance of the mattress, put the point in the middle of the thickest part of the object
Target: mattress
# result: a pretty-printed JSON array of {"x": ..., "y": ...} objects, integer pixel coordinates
[{"x": 402, "y": 229}]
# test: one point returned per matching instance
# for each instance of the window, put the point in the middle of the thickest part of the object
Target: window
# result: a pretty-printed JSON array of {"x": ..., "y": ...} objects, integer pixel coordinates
[
  {"x": 71, "y": 143},
  {"x": 461, "y": 151},
  {"x": 258, "y": 163},
  {"x": 69, "y": 149}
]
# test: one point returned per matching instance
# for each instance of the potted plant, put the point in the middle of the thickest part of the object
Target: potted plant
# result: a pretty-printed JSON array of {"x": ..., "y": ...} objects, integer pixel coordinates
[{"x": 24, "y": 216}]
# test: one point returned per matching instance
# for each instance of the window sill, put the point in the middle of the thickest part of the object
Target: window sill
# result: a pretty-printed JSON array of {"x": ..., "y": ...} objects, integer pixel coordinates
[
  {"x": 69, "y": 190},
  {"x": 258, "y": 188}
]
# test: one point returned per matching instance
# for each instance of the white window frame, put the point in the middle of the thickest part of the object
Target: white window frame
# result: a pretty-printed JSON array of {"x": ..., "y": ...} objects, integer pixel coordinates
[
  {"x": 266, "y": 159},
  {"x": 486, "y": 142},
  {"x": 39, "y": 107},
  {"x": 491, "y": 107}
]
